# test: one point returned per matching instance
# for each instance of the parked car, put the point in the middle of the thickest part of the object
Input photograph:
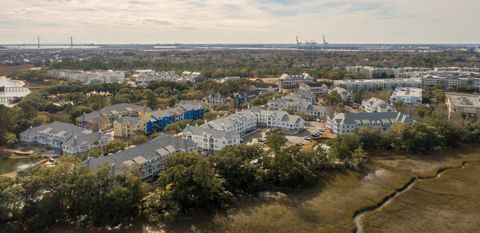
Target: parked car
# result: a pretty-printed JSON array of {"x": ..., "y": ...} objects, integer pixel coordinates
[
  {"x": 308, "y": 138},
  {"x": 299, "y": 144}
]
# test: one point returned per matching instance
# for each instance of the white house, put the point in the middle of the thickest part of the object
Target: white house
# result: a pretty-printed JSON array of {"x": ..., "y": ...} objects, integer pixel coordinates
[
  {"x": 208, "y": 140},
  {"x": 150, "y": 156},
  {"x": 342, "y": 123},
  {"x": 377, "y": 105},
  {"x": 64, "y": 138},
  {"x": 292, "y": 81},
  {"x": 345, "y": 94},
  {"x": 407, "y": 95}
]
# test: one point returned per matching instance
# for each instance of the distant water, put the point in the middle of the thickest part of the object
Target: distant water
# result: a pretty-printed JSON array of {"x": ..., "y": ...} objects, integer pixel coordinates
[{"x": 6, "y": 82}]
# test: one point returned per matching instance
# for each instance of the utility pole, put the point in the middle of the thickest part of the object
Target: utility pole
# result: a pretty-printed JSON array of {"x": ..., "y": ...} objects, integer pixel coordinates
[{"x": 38, "y": 41}]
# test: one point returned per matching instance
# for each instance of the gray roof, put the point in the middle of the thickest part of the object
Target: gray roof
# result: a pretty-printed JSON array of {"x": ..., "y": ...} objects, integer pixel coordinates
[
  {"x": 128, "y": 119},
  {"x": 114, "y": 109},
  {"x": 74, "y": 135},
  {"x": 365, "y": 117},
  {"x": 161, "y": 146},
  {"x": 200, "y": 130}
]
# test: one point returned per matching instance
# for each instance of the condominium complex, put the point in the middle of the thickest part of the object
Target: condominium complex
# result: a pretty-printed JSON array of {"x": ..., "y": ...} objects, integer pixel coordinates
[
  {"x": 376, "y": 84},
  {"x": 216, "y": 134},
  {"x": 292, "y": 81},
  {"x": 452, "y": 81},
  {"x": 300, "y": 106},
  {"x": 104, "y": 118},
  {"x": 376, "y": 105},
  {"x": 463, "y": 105},
  {"x": 318, "y": 89},
  {"x": 64, "y": 138},
  {"x": 156, "y": 121},
  {"x": 150, "y": 156},
  {"x": 375, "y": 73},
  {"x": 89, "y": 77},
  {"x": 342, "y": 123},
  {"x": 344, "y": 93},
  {"x": 407, "y": 95},
  {"x": 143, "y": 77},
  {"x": 208, "y": 140}
]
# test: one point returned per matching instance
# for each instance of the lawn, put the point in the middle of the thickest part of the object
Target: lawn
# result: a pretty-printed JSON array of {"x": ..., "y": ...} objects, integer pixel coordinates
[{"x": 10, "y": 165}]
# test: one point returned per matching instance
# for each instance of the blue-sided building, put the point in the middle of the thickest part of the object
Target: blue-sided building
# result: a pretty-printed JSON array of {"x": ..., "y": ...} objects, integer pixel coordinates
[{"x": 185, "y": 110}]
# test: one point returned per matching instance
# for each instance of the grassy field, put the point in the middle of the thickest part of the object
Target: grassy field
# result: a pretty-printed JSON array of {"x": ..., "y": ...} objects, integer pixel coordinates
[
  {"x": 446, "y": 204},
  {"x": 10, "y": 165},
  {"x": 5, "y": 70},
  {"x": 449, "y": 203}
]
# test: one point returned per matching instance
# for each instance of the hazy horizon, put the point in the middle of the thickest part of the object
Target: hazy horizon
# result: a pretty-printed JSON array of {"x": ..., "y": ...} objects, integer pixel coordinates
[{"x": 239, "y": 22}]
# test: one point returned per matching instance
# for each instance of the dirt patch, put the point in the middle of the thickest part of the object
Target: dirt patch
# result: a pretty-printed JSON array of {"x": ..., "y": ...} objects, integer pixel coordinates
[{"x": 5, "y": 70}]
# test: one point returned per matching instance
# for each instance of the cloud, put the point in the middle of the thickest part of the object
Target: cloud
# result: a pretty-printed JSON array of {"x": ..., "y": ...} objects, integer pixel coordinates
[{"x": 275, "y": 21}]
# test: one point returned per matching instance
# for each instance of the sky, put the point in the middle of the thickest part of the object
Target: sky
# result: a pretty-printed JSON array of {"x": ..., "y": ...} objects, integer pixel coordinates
[{"x": 239, "y": 21}]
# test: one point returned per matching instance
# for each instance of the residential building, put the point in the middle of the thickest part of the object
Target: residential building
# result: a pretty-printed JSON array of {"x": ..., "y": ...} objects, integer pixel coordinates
[
  {"x": 463, "y": 105},
  {"x": 289, "y": 124},
  {"x": 373, "y": 72},
  {"x": 89, "y": 77},
  {"x": 344, "y": 93},
  {"x": 104, "y": 118},
  {"x": 208, "y": 140},
  {"x": 128, "y": 127},
  {"x": 452, "y": 81},
  {"x": 241, "y": 122},
  {"x": 144, "y": 77},
  {"x": 150, "y": 156},
  {"x": 292, "y": 81},
  {"x": 376, "y": 105},
  {"x": 342, "y": 123},
  {"x": 216, "y": 99},
  {"x": 407, "y": 95},
  {"x": 318, "y": 89},
  {"x": 263, "y": 88},
  {"x": 185, "y": 110},
  {"x": 378, "y": 84},
  {"x": 312, "y": 111},
  {"x": 64, "y": 138}
]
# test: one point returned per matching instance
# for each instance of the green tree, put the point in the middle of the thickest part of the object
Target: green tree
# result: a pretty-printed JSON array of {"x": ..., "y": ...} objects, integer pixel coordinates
[
  {"x": 275, "y": 141},
  {"x": 11, "y": 140},
  {"x": 187, "y": 182},
  {"x": 241, "y": 166},
  {"x": 332, "y": 99}
]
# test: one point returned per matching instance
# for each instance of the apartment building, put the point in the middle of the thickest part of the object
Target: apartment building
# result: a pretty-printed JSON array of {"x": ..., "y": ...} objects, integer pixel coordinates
[
  {"x": 208, "y": 140},
  {"x": 312, "y": 111},
  {"x": 342, "y": 123},
  {"x": 103, "y": 119},
  {"x": 318, "y": 89},
  {"x": 185, "y": 110},
  {"x": 144, "y": 77},
  {"x": 374, "y": 72},
  {"x": 407, "y": 95},
  {"x": 378, "y": 84},
  {"x": 128, "y": 127},
  {"x": 292, "y": 81},
  {"x": 452, "y": 81},
  {"x": 241, "y": 122},
  {"x": 89, "y": 77},
  {"x": 289, "y": 124},
  {"x": 463, "y": 105},
  {"x": 376, "y": 105},
  {"x": 150, "y": 156},
  {"x": 344, "y": 93},
  {"x": 64, "y": 138}
]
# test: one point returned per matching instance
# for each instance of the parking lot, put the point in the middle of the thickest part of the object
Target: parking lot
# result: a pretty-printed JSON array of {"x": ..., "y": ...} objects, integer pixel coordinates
[{"x": 310, "y": 128}]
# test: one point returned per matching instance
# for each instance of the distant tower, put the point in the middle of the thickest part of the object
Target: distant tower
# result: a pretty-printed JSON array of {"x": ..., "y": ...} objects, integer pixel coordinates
[
  {"x": 38, "y": 41},
  {"x": 325, "y": 43},
  {"x": 71, "y": 42}
]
